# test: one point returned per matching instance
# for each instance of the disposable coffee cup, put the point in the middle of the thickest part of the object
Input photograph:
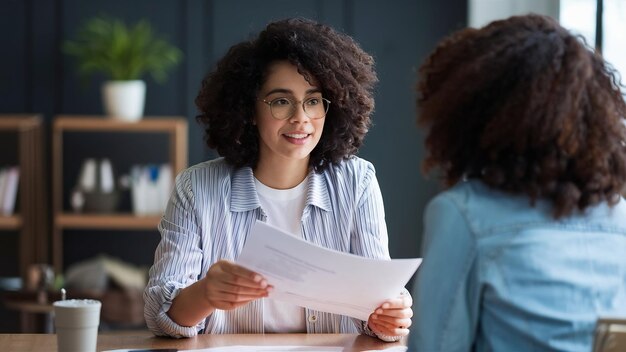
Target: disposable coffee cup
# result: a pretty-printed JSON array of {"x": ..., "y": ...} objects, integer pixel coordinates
[{"x": 76, "y": 323}]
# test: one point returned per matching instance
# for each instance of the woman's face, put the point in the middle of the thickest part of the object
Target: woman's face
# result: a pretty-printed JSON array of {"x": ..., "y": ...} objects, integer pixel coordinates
[{"x": 293, "y": 138}]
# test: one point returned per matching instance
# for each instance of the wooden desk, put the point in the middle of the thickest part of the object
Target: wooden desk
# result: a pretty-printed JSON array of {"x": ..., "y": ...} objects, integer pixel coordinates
[{"x": 137, "y": 340}]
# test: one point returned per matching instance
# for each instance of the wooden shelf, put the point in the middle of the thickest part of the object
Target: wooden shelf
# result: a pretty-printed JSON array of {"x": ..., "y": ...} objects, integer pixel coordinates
[
  {"x": 105, "y": 124},
  {"x": 12, "y": 222},
  {"x": 107, "y": 221},
  {"x": 19, "y": 122},
  {"x": 173, "y": 127},
  {"x": 31, "y": 220}
]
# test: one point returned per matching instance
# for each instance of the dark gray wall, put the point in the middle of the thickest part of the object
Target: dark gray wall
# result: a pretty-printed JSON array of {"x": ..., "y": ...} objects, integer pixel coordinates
[{"x": 36, "y": 77}]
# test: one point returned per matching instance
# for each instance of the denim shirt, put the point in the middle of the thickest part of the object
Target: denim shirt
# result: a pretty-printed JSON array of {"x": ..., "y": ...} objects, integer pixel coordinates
[
  {"x": 210, "y": 214},
  {"x": 501, "y": 275}
]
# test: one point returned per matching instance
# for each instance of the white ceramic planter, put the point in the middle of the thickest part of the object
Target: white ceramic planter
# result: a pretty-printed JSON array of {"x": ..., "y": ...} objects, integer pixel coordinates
[{"x": 124, "y": 100}]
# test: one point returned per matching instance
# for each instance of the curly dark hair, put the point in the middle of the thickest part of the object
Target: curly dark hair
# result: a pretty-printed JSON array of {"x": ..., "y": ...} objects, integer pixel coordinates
[
  {"x": 344, "y": 71},
  {"x": 526, "y": 107}
]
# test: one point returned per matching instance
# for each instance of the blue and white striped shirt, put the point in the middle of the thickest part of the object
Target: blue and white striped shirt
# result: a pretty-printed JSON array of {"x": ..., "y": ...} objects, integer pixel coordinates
[{"x": 211, "y": 211}]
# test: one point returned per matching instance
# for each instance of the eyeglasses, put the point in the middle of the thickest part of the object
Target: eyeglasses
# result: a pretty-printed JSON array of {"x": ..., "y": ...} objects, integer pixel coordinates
[{"x": 283, "y": 108}]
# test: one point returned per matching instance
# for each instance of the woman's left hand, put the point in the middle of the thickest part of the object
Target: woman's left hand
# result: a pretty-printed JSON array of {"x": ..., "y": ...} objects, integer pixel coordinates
[{"x": 393, "y": 317}]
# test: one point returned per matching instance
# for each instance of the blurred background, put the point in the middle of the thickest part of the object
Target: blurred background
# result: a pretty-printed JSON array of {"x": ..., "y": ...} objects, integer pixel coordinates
[{"x": 58, "y": 231}]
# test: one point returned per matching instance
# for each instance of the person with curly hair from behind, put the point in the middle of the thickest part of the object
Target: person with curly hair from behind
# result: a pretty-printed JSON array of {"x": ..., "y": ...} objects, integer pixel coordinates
[
  {"x": 286, "y": 111},
  {"x": 526, "y": 248}
]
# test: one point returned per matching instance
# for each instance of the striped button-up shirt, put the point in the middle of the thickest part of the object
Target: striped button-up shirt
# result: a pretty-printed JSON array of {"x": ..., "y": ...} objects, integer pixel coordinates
[{"x": 210, "y": 214}]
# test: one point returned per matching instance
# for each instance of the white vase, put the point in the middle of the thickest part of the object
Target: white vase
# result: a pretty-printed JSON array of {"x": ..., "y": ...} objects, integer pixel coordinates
[
  {"x": 87, "y": 179},
  {"x": 124, "y": 100}
]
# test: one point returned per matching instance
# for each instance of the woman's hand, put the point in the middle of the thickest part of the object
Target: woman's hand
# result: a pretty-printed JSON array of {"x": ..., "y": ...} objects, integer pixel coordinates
[
  {"x": 393, "y": 317},
  {"x": 228, "y": 285}
]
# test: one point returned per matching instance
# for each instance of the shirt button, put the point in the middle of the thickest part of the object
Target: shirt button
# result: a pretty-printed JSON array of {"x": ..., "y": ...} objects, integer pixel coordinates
[{"x": 312, "y": 318}]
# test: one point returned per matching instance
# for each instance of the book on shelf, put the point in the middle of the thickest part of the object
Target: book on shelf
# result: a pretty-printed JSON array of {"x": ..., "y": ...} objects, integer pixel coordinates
[{"x": 9, "y": 180}]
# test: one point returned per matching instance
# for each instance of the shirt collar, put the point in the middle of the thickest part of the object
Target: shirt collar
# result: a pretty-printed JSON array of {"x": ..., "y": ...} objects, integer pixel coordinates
[
  {"x": 243, "y": 195},
  {"x": 318, "y": 191},
  {"x": 245, "y": 198}
]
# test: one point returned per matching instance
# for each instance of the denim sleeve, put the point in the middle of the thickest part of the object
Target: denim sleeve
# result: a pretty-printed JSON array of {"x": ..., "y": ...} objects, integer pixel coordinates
[{"x": 446, "y": 290}]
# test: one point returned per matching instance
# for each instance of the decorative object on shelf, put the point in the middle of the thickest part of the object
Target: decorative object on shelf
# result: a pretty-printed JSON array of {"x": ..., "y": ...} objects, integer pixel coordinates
[
  {"x": 40, "y": 278},
  {"x": 77, "y": 200},
  {"x": 124, "y": 54},
  {"x": 150, "y": 188},
  {"x": 9, "y": 180},
  {"x": 120, "y": 285},
  {"x": 99, "y": 273},
  {"x": 95, "y": 191}
]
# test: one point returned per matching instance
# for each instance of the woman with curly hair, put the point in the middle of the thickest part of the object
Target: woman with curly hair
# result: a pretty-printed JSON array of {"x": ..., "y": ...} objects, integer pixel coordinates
[
  {"x": 287, "y": 111},
  {"x": 527, "y": 246}
]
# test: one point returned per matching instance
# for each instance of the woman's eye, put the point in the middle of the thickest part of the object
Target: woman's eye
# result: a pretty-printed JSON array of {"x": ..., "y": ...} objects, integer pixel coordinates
[
  {"x": 281, "y": 102},
  {"x": 313, "y": 101}
]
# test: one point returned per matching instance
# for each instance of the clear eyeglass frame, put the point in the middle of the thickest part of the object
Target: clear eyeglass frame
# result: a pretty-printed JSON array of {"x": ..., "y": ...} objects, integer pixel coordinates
[{"x": 277, "y": 116}]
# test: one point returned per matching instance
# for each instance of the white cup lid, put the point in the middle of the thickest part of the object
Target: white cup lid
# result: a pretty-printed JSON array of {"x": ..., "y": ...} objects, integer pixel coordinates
[{"x": 77, "y": 303}]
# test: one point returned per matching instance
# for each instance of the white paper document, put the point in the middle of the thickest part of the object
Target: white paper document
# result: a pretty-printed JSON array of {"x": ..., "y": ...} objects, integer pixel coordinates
[
  {"x": 322, "y": 279},
  {"x": 269, "y": 349},
  {"x": 242, "y": 348}
]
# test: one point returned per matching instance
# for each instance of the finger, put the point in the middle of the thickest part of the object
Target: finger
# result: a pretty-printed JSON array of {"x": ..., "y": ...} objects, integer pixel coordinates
[
  {"x": 395, "y": 313},
  {"x": 382, "y": 329},
  {"x": 234, "y": 298},
  {"x": 244, "y": 276},
  {"x": 386, "y": 325},
  {"x": 258, "y": 281},
  {"x": 238, "y": 270},
  {"x": 229, "y": 273},
  {"x": 393, "y": 332},
  {"x": 399, "y": 302},
  {"x": 241, "y": 290},
  {"x": 398, "y": 332},
  {"x": 228, "y": 283},
  {"x": 392, "y": 322}
]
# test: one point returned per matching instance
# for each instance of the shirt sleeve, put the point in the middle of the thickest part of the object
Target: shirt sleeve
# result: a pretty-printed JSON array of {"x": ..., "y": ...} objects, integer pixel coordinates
[
  {"x": 369, "y": 231},
  {"x": 446, "y": 291},
  {"x": 369, "y": 237},
  {"x": 177, "y": 261}
]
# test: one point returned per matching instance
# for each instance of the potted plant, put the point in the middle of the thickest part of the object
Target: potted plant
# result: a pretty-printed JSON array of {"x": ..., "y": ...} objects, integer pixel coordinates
[{"x": 124, "y": 54}]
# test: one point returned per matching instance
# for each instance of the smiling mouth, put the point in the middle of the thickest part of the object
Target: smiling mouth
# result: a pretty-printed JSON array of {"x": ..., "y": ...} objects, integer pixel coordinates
[{"x": 297, "y": 135}]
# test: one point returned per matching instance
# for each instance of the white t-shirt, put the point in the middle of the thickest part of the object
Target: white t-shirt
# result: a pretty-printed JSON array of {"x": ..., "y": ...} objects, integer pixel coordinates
[{"x": 283, "y": 208}]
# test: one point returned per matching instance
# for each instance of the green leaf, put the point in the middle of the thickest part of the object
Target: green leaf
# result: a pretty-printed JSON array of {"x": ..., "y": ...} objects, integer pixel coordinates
[{"x": 121, "y": 52}]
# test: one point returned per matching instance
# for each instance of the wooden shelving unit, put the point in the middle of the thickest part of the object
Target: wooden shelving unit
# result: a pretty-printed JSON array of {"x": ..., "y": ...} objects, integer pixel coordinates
[
  {"x": 107, "y": 221},
  {"x": 12, "y": 222},
  {"x": 30, "y": 219},
  {"x": 174, "y": 127}
]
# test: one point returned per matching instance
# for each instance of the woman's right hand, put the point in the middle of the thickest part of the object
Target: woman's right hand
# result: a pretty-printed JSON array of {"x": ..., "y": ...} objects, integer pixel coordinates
[{"x": 228, "y": 285}]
